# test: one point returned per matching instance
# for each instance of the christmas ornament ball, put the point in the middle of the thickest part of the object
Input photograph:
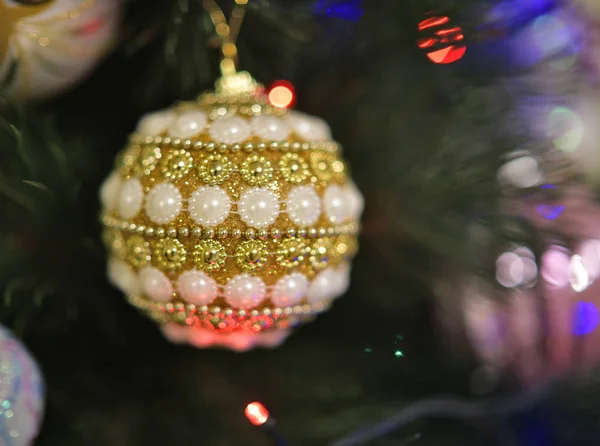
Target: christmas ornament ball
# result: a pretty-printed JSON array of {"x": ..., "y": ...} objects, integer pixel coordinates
[
  {"x": 229, "y": 221},
  {"x": 21, "y": 393},
  {"x": 48, "y": 45}
]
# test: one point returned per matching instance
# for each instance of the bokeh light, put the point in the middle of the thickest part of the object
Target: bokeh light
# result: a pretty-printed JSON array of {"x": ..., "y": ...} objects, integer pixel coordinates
[
  {"x": 586, "y": 318},
  {"x": 565, "y": 128},
  {"x": 256, "y": 413},
  {"x": 282, "y": 94},
  {"x": 555, "y": 266},
  {"x": 579, "y": 278},
  {"x": 443, "y": 42}
]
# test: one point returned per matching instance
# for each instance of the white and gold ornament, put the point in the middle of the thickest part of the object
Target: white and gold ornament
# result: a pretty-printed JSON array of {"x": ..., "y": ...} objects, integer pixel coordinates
[
  {"x": 229, "y": 221},
  {"x": 48, "y": 45},
  {"x": 226, "y": 237}
]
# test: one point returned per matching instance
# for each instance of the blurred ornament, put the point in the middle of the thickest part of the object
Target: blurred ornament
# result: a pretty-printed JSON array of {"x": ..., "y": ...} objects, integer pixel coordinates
[
  {"x": 443, "y": 41},
  {"x": 48, "y": 45},
  {"x": 21, "y": 393},
  {"x": 229, "y": 221}
]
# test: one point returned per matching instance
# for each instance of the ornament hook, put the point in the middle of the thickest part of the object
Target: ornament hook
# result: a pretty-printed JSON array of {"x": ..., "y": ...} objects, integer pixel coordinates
[{"x": 231, "y": 83}]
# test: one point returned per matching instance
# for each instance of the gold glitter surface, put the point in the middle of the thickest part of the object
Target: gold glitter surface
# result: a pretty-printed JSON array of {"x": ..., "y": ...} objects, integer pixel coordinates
[
  {"x": 232, "y": 247},
  {"x": 294, "y": 168},
  {"x": 251, "y": 255},
  {"x": 256, "y": 170},
  {"x": 138, "y": 251},
  {"x": 209, "y": 255},
  {"x": 214, "y": 169},
  {"x": 169, "y": 254}
]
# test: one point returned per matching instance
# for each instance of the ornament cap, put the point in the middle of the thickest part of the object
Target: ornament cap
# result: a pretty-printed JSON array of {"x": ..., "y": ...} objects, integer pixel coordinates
[{"x": 237, "y": 84}]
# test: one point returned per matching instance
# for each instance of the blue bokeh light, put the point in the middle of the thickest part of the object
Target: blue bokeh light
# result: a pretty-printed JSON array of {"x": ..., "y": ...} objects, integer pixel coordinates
[
  {"x": 351, "y": 10},
  {"x": 586, "y": 318},
  {"x": 550, "y": 211}
]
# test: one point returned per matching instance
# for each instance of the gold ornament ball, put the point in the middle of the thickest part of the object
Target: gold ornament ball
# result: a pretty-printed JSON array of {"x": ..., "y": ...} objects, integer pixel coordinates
[
  {"x": 48, "y": 45},
  {"x": 229, "y": 221}
]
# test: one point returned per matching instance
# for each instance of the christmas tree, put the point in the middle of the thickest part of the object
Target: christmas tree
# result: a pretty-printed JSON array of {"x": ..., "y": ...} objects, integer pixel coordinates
[{"x": 467, "y": 126}]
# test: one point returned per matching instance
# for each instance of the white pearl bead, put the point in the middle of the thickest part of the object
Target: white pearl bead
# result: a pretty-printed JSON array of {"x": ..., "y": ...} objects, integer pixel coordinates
[
  {"x": 130, "y": 198},
  {"x": 163, "y": 203},
  {"x": 304, "y": 205},
  {"x": 197, "y": 287},
  {"x": 230, "y": 130},
  {"x": 323, "y": 286},
  {"x": 342, "y": 280},
  {"x": 258, "y": 207},
  {"x": 121, "y": 275},
  {"x": 188, "y": 124},
  {"x": 109, "y": 191},
  {"x": 335, "y": 204},
  {"x": 270, "y": 128},
  {"x": 289, "y": 290},
  {"x": 155, "y": 123},
  {"x": 155, "y": 284},
  {"x": 309, "y": 128},
  {"x": 245, "y": 291},
  {"x": 355, "y": 201},
  {"x": 209, "y": 206}
]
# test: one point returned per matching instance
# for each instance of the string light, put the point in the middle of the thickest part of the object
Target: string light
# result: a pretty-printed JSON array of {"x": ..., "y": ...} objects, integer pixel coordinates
[
  {"x": 282, "y": 94},
  {"x": 256, "y": 413}
]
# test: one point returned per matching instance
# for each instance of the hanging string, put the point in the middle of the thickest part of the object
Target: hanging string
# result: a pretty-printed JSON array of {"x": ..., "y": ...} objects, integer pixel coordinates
[{"x": 227, "y": 32}]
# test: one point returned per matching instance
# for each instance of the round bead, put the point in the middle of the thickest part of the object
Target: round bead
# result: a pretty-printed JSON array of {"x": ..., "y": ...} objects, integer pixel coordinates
[
  {"x": 163, "y": 203},
  {"x": 188, "y": 124},
  {"x": 121, "y": 275},
  {"x": 334, "y": 202},
  {"x": 197, "y": 287},
  {"x": 289, "y": 290},
  {"x": 245, "y": 291},
  {"x": 258, "y": 207},
  {"x": 271, "y": 128},
  {"x": 155, "y": 284},
  {"x": 155, "y": 123},
  {"x": 230, "y": 130},
  {"x": 304, "y": 205},
  {"x": 130, "y": 198},
  {"x": 342, "y": 280},
  {"x": 309, "y": 128},
  {"x": 109, "y": 192},
  {"x": 354, "y": 200},
  {"x": 209, "y": 205},
  {"x": 323, "y": 286}
]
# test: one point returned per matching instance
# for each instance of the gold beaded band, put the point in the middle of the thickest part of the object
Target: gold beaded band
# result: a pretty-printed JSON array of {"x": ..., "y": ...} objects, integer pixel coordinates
[
  {"x": 285, "y": 146},
  {"x": 113, "y": 222},
  {"x": 227, "y": 319}
]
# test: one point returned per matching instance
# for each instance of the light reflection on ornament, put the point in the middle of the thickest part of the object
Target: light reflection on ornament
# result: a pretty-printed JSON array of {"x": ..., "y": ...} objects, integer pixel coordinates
[
  {"x": 586, "y": 318},
  {"x": 443, "y": 45},
  {"x": 282, "y": 94},
  {"x": 565, "y": 128}
]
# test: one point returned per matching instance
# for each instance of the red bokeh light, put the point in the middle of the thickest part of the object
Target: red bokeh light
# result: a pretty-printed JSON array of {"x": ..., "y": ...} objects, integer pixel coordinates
[
  {"x": 442, "y": 44},
  {"x": 282, "y": 94},
  {"x": 256, "y": 413}
]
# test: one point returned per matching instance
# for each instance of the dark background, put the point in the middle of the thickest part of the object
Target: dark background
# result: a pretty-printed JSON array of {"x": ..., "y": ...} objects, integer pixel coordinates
[{"x": 424, "y": 141}]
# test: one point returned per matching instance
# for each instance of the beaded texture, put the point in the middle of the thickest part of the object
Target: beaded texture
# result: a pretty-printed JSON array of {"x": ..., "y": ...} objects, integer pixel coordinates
[{"x": 230, "y": 218}]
